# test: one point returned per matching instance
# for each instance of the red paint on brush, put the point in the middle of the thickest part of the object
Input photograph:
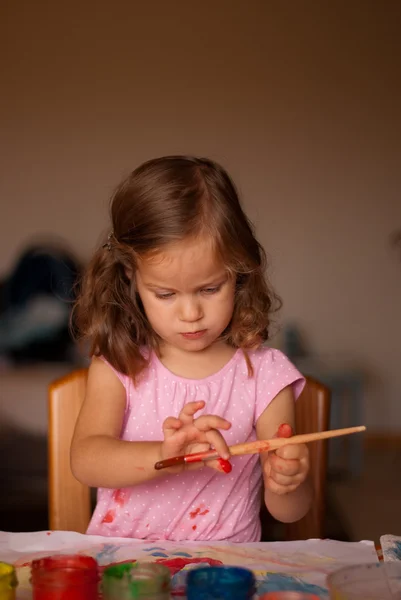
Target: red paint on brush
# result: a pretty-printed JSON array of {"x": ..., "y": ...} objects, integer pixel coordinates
[
  {"x": 169, "y": 462},
  {"x": 109, "y": 516},
  {"x": 225, "y": 465},
  {"x": 199, "y": 456},
  {"x": 284, "y": 431}
]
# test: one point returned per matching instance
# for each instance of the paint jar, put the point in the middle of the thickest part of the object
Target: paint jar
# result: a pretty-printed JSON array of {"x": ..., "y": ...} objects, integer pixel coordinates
[
  {"x": 8, "y": 581},
  {"x": 222, "y": 583},
  {"x": 62, "y": 577},
  {"x": 375, "y": 581},
  {"x": 131, "y": 580},
  {"x": 289, "y": 595}
]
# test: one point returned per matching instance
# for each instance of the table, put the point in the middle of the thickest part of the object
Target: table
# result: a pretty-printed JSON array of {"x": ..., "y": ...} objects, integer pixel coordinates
[{"x": 301, "y": 566}]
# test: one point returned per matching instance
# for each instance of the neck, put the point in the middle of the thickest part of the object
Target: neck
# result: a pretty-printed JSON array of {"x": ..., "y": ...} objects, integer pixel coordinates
[{"x": 196, "y": 365}]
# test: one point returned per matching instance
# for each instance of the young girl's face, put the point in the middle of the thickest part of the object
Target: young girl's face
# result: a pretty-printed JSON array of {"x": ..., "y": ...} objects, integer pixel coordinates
[{"x": 187, "y": 294}]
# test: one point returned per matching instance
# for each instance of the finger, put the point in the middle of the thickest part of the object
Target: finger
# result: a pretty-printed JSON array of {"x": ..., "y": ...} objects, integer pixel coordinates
[
  {"x": 208, "y": 422},
  {"x": 284, "y": 466},
  {"x": 278, "y": 489},
  {"x": 284, "y": 431},
  {"x": 216, "y": 440},
  {"x": 170, "y": 426},
  {"x": 187, "y": 413},
  {"x": 286, "y": 480},
  {"x": 296, "y": 451}
]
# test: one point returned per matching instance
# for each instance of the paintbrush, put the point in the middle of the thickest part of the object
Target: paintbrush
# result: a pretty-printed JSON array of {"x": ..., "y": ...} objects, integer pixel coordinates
[{"x": 257, "y": 447}]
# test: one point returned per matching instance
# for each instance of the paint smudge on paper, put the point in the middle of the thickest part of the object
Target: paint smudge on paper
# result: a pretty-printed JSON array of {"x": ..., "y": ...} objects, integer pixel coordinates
[{"x": 280, "y": 582}]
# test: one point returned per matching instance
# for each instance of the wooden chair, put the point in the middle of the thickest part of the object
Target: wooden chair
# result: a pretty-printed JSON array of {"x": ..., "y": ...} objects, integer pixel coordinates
[
  {"x": 312, "y": 413},
  {"x": 69, "y": 500}
]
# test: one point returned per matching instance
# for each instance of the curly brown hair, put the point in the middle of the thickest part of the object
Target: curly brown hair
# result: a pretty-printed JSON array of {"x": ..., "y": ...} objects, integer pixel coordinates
[{"x": 163, "y": 201}]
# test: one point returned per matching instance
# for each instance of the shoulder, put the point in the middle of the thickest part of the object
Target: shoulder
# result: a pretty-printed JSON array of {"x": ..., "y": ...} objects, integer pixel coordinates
[
  {"x": 104, "y": 370},
  {"x": 273, "y": 369},
  {"x": 266, "y": 358}
]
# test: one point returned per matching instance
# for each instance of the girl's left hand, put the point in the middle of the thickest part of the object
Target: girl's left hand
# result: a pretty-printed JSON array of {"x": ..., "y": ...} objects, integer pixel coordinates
[{"x": 287, "y": 467}]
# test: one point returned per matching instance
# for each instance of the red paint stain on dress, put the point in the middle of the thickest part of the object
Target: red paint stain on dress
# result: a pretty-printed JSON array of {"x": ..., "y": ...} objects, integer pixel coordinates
[
  {"x": 198, "y": 512},
  {"x": 176, "y": 564},
  {"x": 284, "y": 431},
  {"x": 224, "y": 465},
  {"x": 48, "y": 532},
  {"x": 194, "y": 527},
  {"x": 194, "y": 513},
  {"x": 120, "y": 497},
  {"x": 109, "y": 516}
]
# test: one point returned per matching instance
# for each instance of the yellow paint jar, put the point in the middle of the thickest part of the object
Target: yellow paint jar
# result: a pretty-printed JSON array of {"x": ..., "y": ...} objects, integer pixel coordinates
[{"x": 8, "y": 581}]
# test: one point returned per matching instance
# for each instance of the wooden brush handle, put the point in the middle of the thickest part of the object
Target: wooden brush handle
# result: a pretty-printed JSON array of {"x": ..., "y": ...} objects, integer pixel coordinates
[
  {"x": 273, "y": 444},
  {"x": 258, "y": 446}
]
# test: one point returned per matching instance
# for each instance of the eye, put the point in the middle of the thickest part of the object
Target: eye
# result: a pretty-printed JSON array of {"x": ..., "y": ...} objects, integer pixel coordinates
[
  {"x": 211, "y": 290},
  {"x": 165, "y": 296}
]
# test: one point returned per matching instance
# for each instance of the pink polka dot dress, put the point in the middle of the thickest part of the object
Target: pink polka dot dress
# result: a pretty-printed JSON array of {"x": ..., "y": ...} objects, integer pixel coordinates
[{"x": 204, "y": 504}]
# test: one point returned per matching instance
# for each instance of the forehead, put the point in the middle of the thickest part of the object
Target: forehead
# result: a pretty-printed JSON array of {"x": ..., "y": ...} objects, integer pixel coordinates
[{"x": 183, "y": 265}]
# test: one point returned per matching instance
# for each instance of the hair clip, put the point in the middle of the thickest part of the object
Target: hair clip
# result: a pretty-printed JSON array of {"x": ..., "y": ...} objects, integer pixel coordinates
[{"x": 108, "y": 243}]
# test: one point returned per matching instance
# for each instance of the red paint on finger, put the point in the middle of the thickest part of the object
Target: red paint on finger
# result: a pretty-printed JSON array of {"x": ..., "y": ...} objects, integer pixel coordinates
[
  {"x": 224, "y": 465},
  {"x": 284, "y": 431}
]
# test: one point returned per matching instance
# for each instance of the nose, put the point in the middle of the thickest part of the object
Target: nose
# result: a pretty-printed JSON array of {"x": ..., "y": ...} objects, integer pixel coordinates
[{"x": 191, "y": 310}]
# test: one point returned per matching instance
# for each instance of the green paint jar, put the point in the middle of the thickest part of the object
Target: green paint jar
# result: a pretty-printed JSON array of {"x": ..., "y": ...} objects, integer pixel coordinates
[
  {"x": 8, "y": 581},
  {"x": 133, "y": 580}
]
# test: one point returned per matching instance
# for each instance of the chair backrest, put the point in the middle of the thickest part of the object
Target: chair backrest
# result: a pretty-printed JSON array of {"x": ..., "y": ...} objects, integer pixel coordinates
[
  {"x": 69, "y": 500},
  {"x": 312, "y": 413}
]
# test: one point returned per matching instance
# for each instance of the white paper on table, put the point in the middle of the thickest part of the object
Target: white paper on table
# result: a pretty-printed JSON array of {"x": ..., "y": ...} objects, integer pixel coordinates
[{"x": 301, "y": 566}]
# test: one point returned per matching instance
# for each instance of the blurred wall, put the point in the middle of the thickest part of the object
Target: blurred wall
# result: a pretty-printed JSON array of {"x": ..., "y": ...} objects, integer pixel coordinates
[{"x": 299, "y": 100}]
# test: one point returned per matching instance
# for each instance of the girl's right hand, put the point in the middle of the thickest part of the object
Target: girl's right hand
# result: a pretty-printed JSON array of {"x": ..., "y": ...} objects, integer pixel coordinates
[{"x": 186, "y": 435}]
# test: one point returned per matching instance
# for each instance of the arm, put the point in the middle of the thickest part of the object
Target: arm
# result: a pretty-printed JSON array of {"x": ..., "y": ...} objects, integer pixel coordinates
[
  {"x": 100, "y": 459},
  {"x": 288, "y": 492}
]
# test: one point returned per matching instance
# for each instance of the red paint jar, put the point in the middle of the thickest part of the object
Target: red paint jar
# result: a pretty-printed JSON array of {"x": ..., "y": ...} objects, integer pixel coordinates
[{"x": 65, "y": 577}]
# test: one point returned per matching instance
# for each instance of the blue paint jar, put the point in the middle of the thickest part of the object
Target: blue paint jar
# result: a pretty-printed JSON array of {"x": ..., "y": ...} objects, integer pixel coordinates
[{"x": 220, "y": 583}]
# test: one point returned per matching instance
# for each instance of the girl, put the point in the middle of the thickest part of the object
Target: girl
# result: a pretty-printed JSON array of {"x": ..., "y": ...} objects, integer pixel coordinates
[{"x": 176, "y": 309}]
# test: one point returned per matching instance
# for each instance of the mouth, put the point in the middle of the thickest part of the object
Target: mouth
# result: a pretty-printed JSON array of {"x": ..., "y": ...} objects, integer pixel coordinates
[{"x": 195, "y": 335}]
